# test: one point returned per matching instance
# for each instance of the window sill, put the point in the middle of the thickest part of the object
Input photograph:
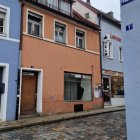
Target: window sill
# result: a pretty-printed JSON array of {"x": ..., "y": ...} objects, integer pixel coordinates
[
  {"x": 35, "y": 35},
  {"x": 121, "y": 61},
  {"x": 80, "y": 48},
  {"x": 62, "y": 43},
  {"x": 110, "y": 58},
  {"x": 3, "y": 34}
]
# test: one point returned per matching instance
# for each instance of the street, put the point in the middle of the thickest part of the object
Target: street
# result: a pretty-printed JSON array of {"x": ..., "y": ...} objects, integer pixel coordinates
[{"x": 109, "y": 126}]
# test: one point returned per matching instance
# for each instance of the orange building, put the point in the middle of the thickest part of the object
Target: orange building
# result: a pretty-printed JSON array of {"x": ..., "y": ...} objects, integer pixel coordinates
[{"x": 60, "y": 59}]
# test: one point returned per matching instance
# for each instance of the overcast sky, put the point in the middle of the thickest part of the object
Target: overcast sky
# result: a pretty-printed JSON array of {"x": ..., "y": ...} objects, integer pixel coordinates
[{"x": 107, "y": 5}]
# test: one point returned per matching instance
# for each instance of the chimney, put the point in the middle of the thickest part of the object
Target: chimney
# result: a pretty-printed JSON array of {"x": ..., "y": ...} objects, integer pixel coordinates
[
  {"x": 88, "y": 2},
  {"x": 110, "y": 14}
]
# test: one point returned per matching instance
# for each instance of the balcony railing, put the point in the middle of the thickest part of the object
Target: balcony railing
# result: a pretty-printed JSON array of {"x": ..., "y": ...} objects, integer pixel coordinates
[{"x": 55, "y": 7}]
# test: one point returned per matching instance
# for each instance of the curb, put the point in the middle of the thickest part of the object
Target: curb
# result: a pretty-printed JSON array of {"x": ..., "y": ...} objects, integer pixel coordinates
[{"x": 7, "y": 126}]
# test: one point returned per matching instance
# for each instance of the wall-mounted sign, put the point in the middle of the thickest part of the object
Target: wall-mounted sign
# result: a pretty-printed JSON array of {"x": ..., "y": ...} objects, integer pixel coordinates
[
  {"x": 129, "y": 27},
  {"x": 106, "y": 41},
  {"x": 123, "y": 2}
]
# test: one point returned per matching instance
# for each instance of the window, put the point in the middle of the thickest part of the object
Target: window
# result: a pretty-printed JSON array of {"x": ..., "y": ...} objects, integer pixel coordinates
[
  {"x": 120, "y": 54},
  {"x": 110, "y": 50},
  {"x": 34, "y": 24},
  {"x": 80, "y": 39},
  {"x": 77, "y": 87},
  {"x": 50, "y": 3},
  {"x": 64, "y": 7},
  {"x": 2, "y": 21},
  {"x": 60, "y": 32},
  {"x": 87, "y": 16}
]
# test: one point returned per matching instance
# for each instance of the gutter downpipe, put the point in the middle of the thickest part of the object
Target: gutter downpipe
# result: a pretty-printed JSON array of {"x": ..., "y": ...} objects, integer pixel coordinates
[
  {"x": 20, "y": 58},
  {"x": 100, "y": 18}
]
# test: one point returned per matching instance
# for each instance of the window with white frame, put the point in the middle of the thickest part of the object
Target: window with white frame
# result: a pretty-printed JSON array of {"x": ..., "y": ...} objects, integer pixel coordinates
[
  {"x": 34, "y": 24},
  {"x": 80, "y": 39},
  {"x": 120, "y": 54},
  {"x": 110, "y": 50},
  {"x": 60, "y": 32},
  {"x": 64, "y": 7},
  {"x": 2, "y": 21}
]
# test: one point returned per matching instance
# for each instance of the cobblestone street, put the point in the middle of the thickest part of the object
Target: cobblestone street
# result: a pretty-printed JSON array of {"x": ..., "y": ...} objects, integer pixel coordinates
[{"x": 109, "y": 126}]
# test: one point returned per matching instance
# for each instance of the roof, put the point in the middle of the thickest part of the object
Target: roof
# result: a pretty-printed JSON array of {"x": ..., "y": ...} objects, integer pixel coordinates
[
  {"x": 76, "y": 17},
  {"x": 79, "y": 17},
  {"x": 101, "y": 13}
]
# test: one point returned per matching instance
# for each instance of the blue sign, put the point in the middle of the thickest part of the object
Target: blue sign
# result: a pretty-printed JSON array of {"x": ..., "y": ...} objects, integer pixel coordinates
[
  {"x": 123, "y": 2},
  {"x": 129, "y": 27}
]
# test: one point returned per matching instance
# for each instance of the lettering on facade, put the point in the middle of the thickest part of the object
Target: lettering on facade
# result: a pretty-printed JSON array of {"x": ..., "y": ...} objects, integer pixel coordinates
[
  {"x": 123, "y": 2},
  {"x": 129, "y": 27}
]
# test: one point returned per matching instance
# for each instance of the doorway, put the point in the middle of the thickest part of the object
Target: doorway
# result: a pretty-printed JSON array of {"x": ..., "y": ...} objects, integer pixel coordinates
[
  {"x": 29, "y": 93},
  {"x": 30, "y": 100},
  {"x": 106, "y": 89}
]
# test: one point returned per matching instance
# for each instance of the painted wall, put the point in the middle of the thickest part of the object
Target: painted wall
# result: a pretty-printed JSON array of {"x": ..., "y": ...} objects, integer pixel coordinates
[
  {"x": 111, "y": 64},
  {"x": 84, "y": 10},
  {"x": 131, "y": 42},
  {"x": 9, "y": 53},
  {"x": 56, "y": 58}
]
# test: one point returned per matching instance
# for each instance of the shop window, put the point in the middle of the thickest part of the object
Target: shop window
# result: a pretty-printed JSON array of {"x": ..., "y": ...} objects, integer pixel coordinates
[
  {"x": 117, "y": 85},
  {"x": 77, "y": 87},
  {"x": 34, "y": 24},
  {"x": 2, "y": 22},
  {"x": 80, "y": 39},
  {"x": 60, "y": 32}
]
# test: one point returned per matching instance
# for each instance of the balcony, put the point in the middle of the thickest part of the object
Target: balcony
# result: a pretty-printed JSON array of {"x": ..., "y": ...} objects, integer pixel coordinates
[{"x": 55, "y": 7}]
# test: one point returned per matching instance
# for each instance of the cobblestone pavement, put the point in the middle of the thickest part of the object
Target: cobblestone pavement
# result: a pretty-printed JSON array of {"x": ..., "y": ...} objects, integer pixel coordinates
[{"x": 109, "y": 126}]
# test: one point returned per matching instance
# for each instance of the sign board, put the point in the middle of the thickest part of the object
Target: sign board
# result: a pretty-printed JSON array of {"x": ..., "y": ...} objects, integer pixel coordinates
[
  {"x": 123, "y": 2},
  {"x": 129, "y": 27}
]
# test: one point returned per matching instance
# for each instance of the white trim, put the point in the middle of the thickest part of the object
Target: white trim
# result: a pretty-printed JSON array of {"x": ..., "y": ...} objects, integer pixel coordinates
[
  {"x": 7, "y": 19},
  {"x": 39, "y": 88},
  {"x": 43, "y": 19},
  {"x": 4, "y": 96},
  {"x": 67, "y": 45},
  {"x": 10, "y": 39},
  {"x": 66, "y": 33},
  {"x": 85, "y": 41}
]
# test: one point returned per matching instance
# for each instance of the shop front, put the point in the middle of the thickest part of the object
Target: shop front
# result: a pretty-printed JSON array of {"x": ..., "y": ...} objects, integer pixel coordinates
[{"x": 113, "y": 88}]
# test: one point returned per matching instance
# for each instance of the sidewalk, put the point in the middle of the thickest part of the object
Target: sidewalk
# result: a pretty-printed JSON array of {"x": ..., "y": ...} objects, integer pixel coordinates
[{"x": 5, "y": 126}]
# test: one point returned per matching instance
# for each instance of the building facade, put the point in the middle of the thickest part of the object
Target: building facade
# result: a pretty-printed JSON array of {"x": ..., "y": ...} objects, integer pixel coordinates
[
  {"x": 9, "y": 57},
  {"x": 60, "y": 60},
  {"x": 111, "y": 51},
  {"x": 131, "y": 43}
]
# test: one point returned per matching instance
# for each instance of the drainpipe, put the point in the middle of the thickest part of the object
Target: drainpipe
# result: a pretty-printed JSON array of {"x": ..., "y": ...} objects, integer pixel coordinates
[
  {"x": 100, "y": 41},
  {"x": 20, "y": 54}
]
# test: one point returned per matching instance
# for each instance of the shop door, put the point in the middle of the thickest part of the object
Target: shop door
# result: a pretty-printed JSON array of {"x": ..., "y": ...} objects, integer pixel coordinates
[
  {"x": 28, "y": 93},
  {"x": 106, "y": 88}
]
